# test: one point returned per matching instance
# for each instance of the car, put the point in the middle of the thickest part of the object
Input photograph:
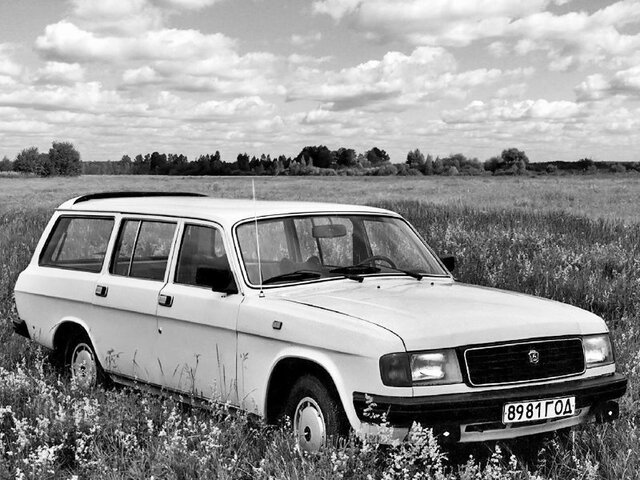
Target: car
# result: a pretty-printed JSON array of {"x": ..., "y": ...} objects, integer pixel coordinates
[{"x": 340, "y": 317}]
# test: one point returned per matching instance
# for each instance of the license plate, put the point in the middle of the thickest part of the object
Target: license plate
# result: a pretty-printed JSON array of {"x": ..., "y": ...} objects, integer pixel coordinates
[{"x": 538, "y": 410}]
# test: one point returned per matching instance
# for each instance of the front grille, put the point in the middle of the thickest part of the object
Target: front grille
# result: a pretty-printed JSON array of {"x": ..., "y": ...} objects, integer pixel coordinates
[{"x": 510, "y": 363}]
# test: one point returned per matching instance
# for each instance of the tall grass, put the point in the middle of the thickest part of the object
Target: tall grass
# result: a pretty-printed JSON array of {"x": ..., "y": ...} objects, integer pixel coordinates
[{"x": 50, "y": 429}]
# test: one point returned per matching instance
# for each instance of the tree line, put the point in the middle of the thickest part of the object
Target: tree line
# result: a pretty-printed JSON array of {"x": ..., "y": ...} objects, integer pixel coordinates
[{"x": 64, "y": 159}]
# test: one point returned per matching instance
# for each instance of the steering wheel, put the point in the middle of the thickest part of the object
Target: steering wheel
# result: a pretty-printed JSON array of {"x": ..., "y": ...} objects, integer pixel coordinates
[{"x": 373, "y": 258}]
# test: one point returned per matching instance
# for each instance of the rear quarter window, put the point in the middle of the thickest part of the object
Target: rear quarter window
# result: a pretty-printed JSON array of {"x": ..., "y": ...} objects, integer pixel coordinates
[{"x": 78, "y": 243}]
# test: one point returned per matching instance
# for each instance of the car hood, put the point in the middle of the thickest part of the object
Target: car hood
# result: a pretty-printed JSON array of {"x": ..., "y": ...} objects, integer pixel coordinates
[{"x": 437, "y": 314}]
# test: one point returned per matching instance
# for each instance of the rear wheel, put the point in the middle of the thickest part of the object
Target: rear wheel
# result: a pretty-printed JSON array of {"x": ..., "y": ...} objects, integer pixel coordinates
[
  {"x": 82, "y": 363},
  {"x": 315, "y": 413}
]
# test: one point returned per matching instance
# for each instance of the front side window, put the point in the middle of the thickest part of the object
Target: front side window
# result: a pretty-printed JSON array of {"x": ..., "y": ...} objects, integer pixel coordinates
[
  {"x": 202, "y": 261},
  {"x": 143, "y": 248},
  {"x": 312, "y": 247},
  {"x": 78, "y": 243}
]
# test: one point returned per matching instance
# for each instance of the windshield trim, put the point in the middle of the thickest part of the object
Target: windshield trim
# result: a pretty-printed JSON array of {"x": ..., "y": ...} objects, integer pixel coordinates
[{"x": 252, "y": 286}]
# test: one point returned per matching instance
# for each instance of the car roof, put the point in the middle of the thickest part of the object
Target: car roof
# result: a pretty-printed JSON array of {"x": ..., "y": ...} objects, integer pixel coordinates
[{"x": 221, "y": 210}]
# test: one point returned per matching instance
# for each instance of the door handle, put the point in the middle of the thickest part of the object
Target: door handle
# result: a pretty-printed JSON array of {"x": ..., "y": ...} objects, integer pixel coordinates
[
  {"x": 165, "y": 300},
  {"x": 101, "y": 290}
]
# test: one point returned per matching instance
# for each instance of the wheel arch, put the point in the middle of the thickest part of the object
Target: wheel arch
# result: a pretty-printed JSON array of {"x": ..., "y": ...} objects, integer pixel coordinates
[
  {"x": 65, "y": 329},
  {"x": 284, "y": 374}
]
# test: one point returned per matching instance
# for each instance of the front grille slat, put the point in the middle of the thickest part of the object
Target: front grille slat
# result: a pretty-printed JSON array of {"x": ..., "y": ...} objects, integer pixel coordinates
[{"x": 509, "y": 363}]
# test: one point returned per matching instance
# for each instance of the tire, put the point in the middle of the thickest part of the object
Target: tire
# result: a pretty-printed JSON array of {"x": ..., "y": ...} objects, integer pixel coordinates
[
  {"x": 316, "y": 415},
  {"x": 81, "y": 362}
]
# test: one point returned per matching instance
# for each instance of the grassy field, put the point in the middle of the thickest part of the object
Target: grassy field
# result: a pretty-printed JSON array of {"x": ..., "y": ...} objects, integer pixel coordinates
[
  {"x": 574, "y": 239},
  {"x": 603, "y": 197}
]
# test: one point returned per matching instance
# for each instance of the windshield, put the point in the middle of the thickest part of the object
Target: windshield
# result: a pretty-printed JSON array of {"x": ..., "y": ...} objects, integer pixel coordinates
[{"x": 295, "y": 249}]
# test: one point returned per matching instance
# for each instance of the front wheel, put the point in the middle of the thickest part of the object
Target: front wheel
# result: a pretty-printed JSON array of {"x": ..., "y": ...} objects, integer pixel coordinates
[{"x": 316, "y": 414}]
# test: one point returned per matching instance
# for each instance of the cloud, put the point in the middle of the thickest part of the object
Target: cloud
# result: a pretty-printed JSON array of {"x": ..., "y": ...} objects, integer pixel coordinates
[
  {"x": 186, "y": 60},
  {"x": 307, "y": 40},
  {"x": 65, "y": 41},
  {"x": 89, "y": 97},
  {"x": 8, "y": 67},
  {"x": 505, "y": 111},
  {"x": 436, "y": 22},
  {"x": 394, "y": 83},
  {"x": 117, "y": 16},
  {"x": 190, "y": 4},
  {"x": 56, "y": 73},
  {"x": 237, "y": 109},
  {"x": 599, "y": 86},
  {"x": 571, "y": 40}
]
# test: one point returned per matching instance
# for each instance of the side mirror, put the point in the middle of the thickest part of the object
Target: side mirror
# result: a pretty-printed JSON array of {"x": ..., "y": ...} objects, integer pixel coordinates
[
  {"x": 219, "y": 279},
  {"x": 449, "y": 262}
]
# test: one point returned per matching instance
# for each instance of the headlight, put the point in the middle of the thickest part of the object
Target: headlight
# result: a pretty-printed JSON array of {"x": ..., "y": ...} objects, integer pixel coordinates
[
  {"x": 439, "y": 367},
  {"x": 597, "y": 350},
  {"x": 422, "y": 368}
]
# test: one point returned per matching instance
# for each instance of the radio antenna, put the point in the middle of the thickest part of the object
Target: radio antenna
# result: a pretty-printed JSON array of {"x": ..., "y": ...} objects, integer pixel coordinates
[{"x": 255, "y": 222}]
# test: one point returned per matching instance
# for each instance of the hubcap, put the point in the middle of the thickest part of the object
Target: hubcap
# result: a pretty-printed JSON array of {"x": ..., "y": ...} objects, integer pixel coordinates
[
  {"x": 309, "y": 425},
  {"x": 83, "y": 366}
]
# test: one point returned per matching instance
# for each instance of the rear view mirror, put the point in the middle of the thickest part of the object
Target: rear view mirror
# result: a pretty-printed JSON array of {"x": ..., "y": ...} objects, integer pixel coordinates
[
  {"x": 449, "y": 262},
  {"x": 329, "y": 231},
  {"x": 219, "y": 279}
]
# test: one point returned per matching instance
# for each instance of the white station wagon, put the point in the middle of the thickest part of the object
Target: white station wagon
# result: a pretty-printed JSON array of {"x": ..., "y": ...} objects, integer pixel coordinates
[{"x": 338, "y": 316}]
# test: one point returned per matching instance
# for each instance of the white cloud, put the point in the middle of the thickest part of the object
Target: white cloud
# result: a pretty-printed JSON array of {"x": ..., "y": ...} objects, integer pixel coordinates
[
  {"x": 117, "y": 16},
  {"x": 598, "y": 86},
  {"x": 88, "y": 97},
  {"x": 502, "y": 110},
  {"x": 307, "y": 40},
  {"x": 66, "y": 42},
  {"x": 60, "y": 73},
  {"x": 433, "y": 22},
  {"x": 190, "y": 4},
  {"x": 396, "y": 82},
  {"x": 237, "y": 109},
  {"x": 8, "y": 66},
  {"x": 571, "y": 40}
]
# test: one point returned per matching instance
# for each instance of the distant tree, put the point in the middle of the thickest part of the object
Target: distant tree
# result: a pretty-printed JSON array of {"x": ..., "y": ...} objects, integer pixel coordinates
[
  {"x": 178, "y": 163},
  {"x": 27, "y": 160},
  {"x": 243, "y": 162},
  {"x": 427, "y": 169},
  {"x": 377, "y": 157},
  {"x": 64, "y": 159},
  {"x": 387, "y": 169},
  {"x": 140, "y": 165},
  {"x": 317, "y": 156},
  {"x": 346, "y": 157},
  {"x": 415, "y": 159},
  {"x": 438, "y": 166},
  {"x": 514, "y": 160},
  {"x": 6, "y": 165},
  {"x": 45, "y": 166},
  {"x": 158, "y": 164},
  {"x": 492, "y": 164}
]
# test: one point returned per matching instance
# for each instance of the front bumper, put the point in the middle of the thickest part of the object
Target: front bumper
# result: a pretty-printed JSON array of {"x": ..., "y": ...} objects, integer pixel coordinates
[{"x": 484, "y": 409}]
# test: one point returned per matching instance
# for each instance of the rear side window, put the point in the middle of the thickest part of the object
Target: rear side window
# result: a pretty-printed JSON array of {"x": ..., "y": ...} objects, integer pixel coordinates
[
  {"x": 143, "y": 248},
  {"x": 78, "y": 243}
]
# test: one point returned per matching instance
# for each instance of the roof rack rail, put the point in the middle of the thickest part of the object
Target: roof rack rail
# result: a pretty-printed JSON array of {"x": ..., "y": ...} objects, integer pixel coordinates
[{"x": 104, "y": 195}]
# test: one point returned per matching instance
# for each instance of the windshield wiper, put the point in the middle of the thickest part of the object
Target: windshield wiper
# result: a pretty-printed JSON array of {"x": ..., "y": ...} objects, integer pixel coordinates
[
  {"x": 416, "y": 275},
  {"x": 367, "y": 269},
  {"x": 297, "y": 275}
]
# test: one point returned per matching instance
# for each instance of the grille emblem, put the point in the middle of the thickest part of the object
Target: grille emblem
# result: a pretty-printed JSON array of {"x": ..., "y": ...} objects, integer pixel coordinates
[{"x": 534, "y": 357}]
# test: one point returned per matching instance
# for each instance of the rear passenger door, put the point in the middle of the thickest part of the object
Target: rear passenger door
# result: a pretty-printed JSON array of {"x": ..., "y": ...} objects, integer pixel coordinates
[
  {"x": 126, "y": 297},
  {"x": 197, "y": 323}
]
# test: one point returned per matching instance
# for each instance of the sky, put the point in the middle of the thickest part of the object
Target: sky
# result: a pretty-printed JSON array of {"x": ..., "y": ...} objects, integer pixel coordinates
[{"x": 559, "y": 79}]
